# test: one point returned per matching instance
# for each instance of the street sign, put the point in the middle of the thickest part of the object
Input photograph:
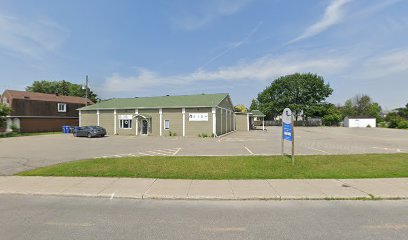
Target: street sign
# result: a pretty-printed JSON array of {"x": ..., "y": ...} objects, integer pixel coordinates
[
  {"x": 287, "y": 124},
  {"x": 288, "y": 131}
]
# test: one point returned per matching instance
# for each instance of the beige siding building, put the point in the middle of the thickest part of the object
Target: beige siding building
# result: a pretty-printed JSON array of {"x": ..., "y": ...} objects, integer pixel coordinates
[{"x": 189, "y": 115}]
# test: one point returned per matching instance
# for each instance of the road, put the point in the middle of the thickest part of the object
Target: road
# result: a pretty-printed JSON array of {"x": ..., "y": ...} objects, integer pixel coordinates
[{"x": 35, "y": 217}]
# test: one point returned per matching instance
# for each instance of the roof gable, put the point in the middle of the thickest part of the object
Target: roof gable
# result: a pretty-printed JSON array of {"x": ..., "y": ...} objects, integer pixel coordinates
[{"x": 199, "y": 100}]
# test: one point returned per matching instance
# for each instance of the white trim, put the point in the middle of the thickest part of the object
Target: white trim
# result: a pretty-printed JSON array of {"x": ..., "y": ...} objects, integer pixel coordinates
[
  {"x": 137, "y": 122},
  {"x": 226, "y": 120},
  {"x": 263, "y": 124},
  {"x": 121, "y": 123},
  {"x": 183, "y": 111},
  {"x": 164, "y": 122},
  {"x": 248, "y": 121},
  {"x": 161, "y": 121},
  {"x": 114, "y": 122},
  {"x": 214, "y": 118},
  {"x": 64, "y": 108},
  {"x": 97, "y": 118},
  {"x": 80, "y": 116},
  {"x": 221, "y": 122},
  {"x": 62, "y": 117}
]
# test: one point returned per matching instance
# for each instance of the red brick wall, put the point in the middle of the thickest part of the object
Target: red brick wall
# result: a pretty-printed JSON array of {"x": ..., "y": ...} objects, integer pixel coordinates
[{"x": 46, "y": 124}]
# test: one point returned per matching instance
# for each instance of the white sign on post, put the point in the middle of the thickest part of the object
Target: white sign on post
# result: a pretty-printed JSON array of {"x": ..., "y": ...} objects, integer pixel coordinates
[
  {"x": 197, "y": 117},
  {"x": 288, "y": 131}
]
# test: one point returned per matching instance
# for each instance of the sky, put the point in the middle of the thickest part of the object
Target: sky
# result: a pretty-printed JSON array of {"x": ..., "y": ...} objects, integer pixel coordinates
[{"x": 132, "y": 48}]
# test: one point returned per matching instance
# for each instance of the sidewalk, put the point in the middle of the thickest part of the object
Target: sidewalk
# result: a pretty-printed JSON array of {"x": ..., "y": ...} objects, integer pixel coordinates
[{"x": 276, "y": 189}]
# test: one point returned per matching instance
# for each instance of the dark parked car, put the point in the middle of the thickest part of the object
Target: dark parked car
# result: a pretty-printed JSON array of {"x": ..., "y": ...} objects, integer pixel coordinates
[{"x": 89, "y": 131}]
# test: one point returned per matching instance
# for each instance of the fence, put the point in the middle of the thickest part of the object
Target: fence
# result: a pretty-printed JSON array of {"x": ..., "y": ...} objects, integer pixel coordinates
[{"x": 303, "y": 123}]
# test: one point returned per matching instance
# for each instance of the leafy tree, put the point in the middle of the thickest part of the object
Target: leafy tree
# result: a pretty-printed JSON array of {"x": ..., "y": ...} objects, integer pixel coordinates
[
  {"x": 63, "y": 87},
  {"x": 332, "y": 116},
  {"x": 254, "y": 105},
  {"x": 393, "y": 119},
  {"x": 362, "y": 105},
  {"x": 403, "y": 112},
  {"x": 348, "y": 109},
  {"x": 299, "y": 91},
  {"x": 240, "y": 108},
  {"x": 4, "y": 111}
]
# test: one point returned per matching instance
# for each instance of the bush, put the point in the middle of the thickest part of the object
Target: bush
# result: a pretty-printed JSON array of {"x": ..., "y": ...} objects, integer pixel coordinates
[
  {"x": 368, "y": 126},
  {"x": 393, "y": 120},
  {"x": 403, "y": 124},
  {"x": 14, "y": 128}
]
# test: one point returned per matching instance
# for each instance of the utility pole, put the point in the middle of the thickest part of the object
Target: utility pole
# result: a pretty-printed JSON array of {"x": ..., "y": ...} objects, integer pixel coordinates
[{"x": 86, "y": 91}]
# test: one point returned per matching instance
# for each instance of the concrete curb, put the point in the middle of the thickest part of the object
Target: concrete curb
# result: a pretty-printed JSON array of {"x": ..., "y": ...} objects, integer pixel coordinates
[{"x": 185, "y": 189}]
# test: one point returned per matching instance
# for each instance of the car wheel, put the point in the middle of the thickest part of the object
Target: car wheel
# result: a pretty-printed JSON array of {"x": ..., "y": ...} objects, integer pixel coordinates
[
  {"x": 75, "y": 134},
  {"x": 89, "y": 135}
]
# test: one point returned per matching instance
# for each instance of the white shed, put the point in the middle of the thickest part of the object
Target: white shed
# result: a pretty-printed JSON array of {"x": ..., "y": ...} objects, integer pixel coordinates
[{"x": 360, "y": 122}]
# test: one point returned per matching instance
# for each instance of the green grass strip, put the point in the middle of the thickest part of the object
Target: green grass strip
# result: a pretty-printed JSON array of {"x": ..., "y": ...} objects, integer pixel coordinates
[{"x": 238, "y": 167}]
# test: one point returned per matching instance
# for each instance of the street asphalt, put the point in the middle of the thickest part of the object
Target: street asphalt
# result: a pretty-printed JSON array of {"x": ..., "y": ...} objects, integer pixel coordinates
[
  {"x": 63, "y": 218},
  {"x": 24, "y": 153}
]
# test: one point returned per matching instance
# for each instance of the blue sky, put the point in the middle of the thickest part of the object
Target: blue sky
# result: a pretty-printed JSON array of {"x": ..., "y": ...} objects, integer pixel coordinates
[{"x": 149, "y": 48}]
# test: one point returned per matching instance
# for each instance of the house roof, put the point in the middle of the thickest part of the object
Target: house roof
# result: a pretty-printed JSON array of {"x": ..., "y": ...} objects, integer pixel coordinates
[
  {"x": 199, "y": 100},
  {"x": 44, "y": 97},
  {"x": 257, "y": 113}
]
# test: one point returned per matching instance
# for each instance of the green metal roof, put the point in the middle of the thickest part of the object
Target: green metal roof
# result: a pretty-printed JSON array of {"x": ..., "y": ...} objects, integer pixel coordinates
[
  {"x": 199, "y": 100},
  {"x": 257, "y": 113}
]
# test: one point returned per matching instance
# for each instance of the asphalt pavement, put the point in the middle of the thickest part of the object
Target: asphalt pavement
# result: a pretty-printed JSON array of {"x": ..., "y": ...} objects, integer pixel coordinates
[
  {"x": 25, "y": 153},
  {"x": 63, "y": 218}
]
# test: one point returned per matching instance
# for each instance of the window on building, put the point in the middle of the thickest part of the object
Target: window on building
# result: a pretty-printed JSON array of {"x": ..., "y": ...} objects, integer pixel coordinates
[
  {"x": 166, "y": 124},
  {"x": 125, "y": 123},
  {"x": 62, "y": 107}
]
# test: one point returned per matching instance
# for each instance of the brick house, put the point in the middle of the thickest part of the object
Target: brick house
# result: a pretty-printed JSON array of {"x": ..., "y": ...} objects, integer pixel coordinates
[{"x": 41, "y": 112}]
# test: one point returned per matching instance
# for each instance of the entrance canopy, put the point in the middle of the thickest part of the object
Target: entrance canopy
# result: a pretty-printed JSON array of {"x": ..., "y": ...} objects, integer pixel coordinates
[{"x": 142, "y": 116}]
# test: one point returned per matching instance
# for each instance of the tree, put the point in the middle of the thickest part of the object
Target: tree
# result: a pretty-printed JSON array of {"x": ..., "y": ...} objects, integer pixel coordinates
[
  {"x": 403, "y": 112},
  {"x": 240, "y": 108},
  {"x": 63, "y": 87},
  {"x": 4, "y": 111},
  {"x": 297, "y": 91},
  {"x": 254, "y": 105},
  {"x": 332, "y": 115},
  {"x": 362, "y": 105}
]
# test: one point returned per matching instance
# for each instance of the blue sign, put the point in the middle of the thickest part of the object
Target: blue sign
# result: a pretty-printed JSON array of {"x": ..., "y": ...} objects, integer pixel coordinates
[{"x": 287, "y": 131}]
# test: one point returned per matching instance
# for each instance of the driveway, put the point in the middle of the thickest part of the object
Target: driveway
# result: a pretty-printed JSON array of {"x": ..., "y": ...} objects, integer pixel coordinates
[{"x": 24, "y": 153}]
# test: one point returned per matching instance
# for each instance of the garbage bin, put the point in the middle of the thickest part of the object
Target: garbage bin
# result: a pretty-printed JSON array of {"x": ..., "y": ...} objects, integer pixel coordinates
[{"x": 65, "y": 129}]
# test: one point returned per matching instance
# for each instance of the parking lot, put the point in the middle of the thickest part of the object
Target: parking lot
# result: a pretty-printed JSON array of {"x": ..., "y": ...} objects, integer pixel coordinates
[{"x": 23, "y": 153}]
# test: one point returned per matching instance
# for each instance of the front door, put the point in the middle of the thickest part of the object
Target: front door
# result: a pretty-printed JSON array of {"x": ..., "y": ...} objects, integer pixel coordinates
[{"x": 144, "y": 126}]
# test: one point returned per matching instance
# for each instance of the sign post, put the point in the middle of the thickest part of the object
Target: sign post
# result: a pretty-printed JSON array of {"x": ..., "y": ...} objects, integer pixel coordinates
[{"x": 288, "y": 133}]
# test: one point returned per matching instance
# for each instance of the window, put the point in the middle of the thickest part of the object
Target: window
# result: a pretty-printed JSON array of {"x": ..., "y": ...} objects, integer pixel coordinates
[
  {"x": 62, "y": 107},
  {"x": 125, "y": 123},
  {"x": 166, "y": 124}
]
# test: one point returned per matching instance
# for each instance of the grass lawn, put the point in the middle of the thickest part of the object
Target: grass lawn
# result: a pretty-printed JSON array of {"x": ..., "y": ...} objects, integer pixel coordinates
[
  {"x": 18, "y": 134},
  {"x": 240, "y": 167}
]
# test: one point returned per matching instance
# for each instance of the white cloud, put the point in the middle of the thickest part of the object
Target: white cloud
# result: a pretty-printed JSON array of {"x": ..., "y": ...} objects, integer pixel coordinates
[
  {"x": 234, "y": 45},
  {"x": 262, "y": 69},
  {"x": 332, "y": 15},
  {"x": 210, "y": 11},
  {"x": 386, "y": 65},
  {"x": 30, "y": 37}
]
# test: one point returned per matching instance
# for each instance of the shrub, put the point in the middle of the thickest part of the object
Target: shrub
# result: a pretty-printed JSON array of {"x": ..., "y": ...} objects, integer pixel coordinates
[
  {"x": 368, "y": 126},
  {"x": 174, "y": 134},
  {"x": 204, "y": 135},
  {"x": 14, "y": 128},
  {"x": 403, "y": 124}
]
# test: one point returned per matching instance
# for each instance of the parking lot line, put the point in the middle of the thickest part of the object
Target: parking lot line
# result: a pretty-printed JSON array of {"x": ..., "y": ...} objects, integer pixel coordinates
[
  {"x": 158, "y": 153},
  {"x": 249, "y": 150},
  {"x": 146, "y": 154},
  {"x": 178, "y": 150},
  {"x": 319, "y": 150}
]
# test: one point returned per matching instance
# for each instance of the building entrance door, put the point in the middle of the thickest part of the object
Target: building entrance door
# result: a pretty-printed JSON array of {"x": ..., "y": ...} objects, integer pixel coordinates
[{"x": 145, "y": 126}]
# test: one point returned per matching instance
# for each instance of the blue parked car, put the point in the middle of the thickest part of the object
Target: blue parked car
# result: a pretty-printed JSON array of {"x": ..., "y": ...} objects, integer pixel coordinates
[{"x": 89, "y": 131}]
